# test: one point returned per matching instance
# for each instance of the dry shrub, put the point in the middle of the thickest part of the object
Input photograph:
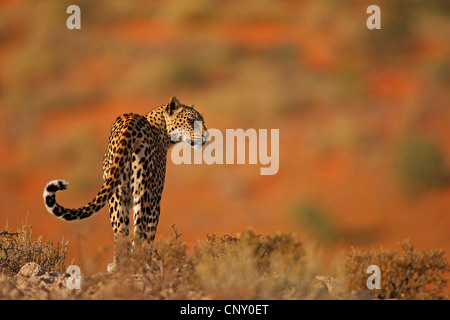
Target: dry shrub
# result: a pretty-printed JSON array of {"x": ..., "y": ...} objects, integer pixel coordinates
[
  {"x": 177, "y": 276},
  {"x": 406, "y": 275},
  {"x": 251, "y": 266},
  {"x": 245, "y": 266},
  {"x": 18, "y": 248},
  {"x": 248, "y": 266},
  {"x": 420, "y": 164},
  {"x": 166, "y": 274}
]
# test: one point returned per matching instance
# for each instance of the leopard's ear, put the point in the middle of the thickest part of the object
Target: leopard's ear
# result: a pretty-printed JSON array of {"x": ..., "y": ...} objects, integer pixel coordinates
[{"x": 172, "y": 106}]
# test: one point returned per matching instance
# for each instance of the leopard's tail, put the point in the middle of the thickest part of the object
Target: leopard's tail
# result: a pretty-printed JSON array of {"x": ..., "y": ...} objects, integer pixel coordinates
[
  {"x": 107, "y": 190},
  {"x": 63, "y": 213}
]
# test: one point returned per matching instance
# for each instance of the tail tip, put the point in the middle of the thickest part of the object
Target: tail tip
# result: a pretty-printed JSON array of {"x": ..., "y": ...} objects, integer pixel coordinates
[{"x": 56, "y": 185}]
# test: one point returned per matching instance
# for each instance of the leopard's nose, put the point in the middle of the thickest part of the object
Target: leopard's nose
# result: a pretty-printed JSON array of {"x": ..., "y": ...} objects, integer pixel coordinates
[{"x": 206, "y": 135}]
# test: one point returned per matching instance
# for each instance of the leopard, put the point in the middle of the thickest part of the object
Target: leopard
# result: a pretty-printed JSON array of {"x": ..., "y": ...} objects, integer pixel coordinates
[{"x": 134, "y": 170}]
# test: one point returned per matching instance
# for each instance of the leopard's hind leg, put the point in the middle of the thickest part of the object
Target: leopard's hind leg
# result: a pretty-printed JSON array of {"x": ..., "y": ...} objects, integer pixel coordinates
[{"x": 120, "y": 222}]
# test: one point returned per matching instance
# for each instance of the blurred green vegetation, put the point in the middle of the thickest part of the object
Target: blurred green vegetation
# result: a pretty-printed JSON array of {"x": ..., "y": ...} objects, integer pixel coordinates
[
  {"x": 45, "y": 65},
  {"x": 313, "y": 217},
  {"x": 48, "y": 69},
  {"x": 419, "y": 164}
]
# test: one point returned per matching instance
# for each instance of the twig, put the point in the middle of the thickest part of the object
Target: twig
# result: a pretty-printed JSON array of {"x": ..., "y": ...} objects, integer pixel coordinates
[
  {"x": 177, "y": 235},
  {"x": 7, "y": 233},
  {"x": 250, "y": 212}
]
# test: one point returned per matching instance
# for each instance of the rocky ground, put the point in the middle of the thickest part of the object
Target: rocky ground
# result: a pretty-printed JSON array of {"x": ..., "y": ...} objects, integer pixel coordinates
[{"x": 34, "y": 283}]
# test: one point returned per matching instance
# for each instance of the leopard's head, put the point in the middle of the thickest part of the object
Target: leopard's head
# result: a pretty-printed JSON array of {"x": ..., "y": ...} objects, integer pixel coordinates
[{"x": 184, "y": 123}]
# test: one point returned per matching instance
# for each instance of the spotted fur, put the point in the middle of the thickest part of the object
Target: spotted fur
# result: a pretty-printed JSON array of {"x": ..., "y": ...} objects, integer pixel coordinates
[{"x": 134, "y": 168}]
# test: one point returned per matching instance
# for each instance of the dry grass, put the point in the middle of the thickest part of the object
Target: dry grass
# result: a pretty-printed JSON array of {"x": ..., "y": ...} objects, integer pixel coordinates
[
  {"x": 18, "y": 248},
  {"x": 252, "y": 266},
  {"x": 406, "y": 275},
  {"x": 247, "y": 266},
  {"x": 244, "y": 266}
]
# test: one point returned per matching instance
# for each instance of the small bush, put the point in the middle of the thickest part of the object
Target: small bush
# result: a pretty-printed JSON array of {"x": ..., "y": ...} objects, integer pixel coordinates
[
  {"x": 419, "y": 164},
  {"x": 405, "y": 275},
  {"x": 18, "y": 248},
  {"x": 250, "y": 266},
  {"x": 316, "y": 219}
]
